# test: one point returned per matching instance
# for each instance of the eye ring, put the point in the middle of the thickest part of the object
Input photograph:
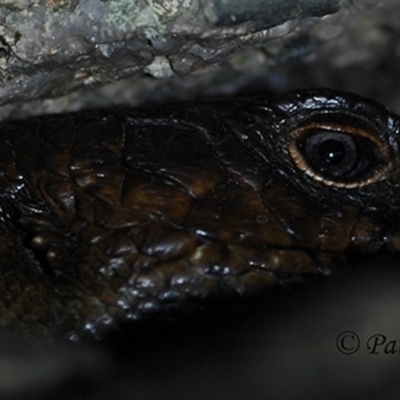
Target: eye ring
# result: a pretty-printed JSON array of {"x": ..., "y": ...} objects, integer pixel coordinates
[{"x": 370, "y": 162}]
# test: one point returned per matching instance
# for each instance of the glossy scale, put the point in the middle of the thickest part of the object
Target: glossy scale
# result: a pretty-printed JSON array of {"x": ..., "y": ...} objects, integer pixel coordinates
[{"x": 109, "y": 215}]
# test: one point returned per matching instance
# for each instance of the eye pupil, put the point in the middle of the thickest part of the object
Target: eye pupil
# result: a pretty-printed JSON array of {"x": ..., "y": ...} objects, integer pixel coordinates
[{"x": 331, "y": 152}]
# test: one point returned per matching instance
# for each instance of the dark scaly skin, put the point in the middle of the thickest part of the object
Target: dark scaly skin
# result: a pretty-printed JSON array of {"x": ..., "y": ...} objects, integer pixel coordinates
[{"x": 110, "y": 215}]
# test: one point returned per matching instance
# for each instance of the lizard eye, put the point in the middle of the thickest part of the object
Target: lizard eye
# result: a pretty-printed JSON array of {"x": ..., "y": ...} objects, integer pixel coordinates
[{"x": 346, "y": 156}]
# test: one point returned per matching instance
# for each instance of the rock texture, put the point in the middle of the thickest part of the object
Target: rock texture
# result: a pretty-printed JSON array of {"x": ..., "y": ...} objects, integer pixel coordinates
[{"x": 51, "y": 48}]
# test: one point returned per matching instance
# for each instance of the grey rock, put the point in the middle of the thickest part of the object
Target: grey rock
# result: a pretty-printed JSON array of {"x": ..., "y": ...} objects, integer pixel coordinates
[{"x": 52, "y": 48}]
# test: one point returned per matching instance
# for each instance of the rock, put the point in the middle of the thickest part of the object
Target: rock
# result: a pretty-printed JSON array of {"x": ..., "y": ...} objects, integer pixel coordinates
[{"x": 52, "y": 48}]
